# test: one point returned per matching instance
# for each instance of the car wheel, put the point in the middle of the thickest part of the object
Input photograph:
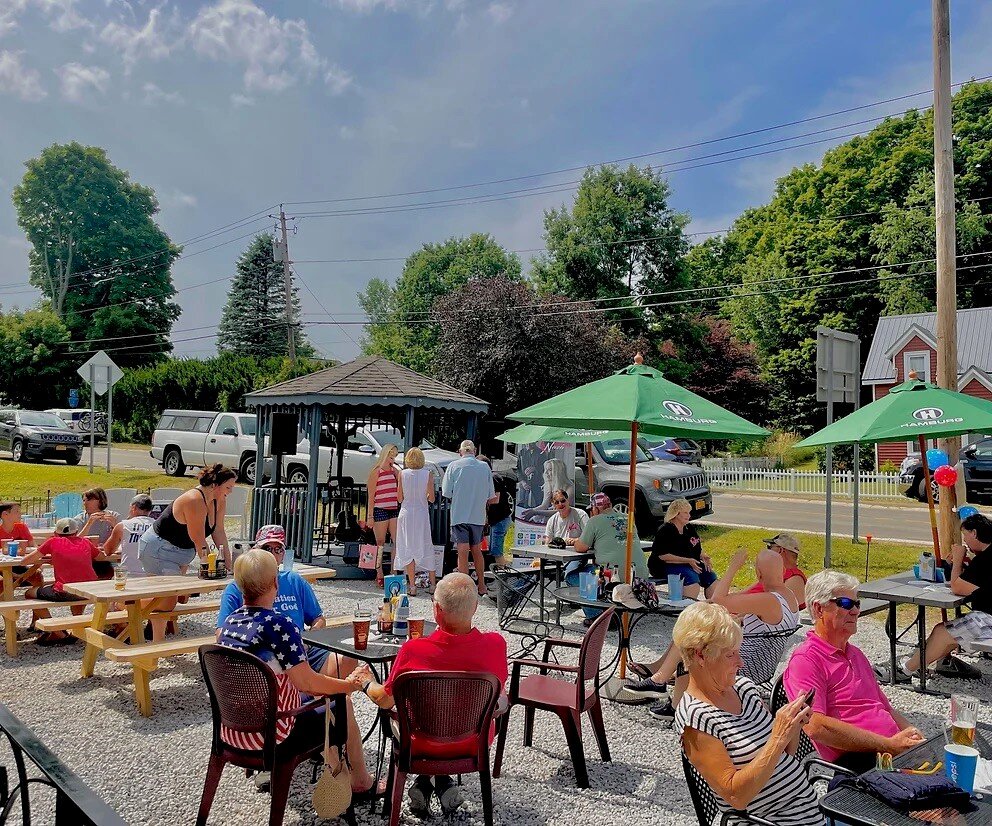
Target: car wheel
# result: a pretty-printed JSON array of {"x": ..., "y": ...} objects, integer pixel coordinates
[
  {"x": 921, "y": 489},
  {"x": 73, "y": 458},
  {"x": 247, "y": 470},
  {"x": 173, "y": 463},
  {"x": 644, "y": 522},
  {"x": 298, "y": 476},
  {"x": 18, "y": 452}
]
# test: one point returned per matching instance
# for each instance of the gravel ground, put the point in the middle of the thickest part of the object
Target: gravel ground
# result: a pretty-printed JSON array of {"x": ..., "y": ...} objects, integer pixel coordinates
[{"x": 151, "y": 770}]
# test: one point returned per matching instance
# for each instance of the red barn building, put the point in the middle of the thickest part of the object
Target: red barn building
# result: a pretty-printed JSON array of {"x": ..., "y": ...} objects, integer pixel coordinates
[{"x": 904, "y": 343}]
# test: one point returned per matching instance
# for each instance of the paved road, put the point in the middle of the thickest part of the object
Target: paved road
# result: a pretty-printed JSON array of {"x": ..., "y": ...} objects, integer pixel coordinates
[{"x": 882, "y": 522}]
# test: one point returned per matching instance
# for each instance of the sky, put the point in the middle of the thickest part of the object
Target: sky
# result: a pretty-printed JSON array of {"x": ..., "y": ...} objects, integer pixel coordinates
[{"x": 229, "y": 108}]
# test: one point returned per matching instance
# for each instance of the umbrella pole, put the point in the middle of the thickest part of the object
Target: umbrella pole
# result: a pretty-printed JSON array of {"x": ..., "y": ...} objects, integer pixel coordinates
[
  {"x": 627, "y": 576},
  {"x": 590, "y": 487},
  {"x": 930, "y": 502}
]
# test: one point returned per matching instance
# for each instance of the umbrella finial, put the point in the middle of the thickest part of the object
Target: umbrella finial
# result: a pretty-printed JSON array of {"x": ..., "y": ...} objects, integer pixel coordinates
[{"x": 638, "y": 359}]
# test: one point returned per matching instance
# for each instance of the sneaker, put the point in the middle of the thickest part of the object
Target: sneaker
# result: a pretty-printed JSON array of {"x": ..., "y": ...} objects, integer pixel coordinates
[
  {"x": 902, "y": 676},
  {"x": 663, "y": 711},
  {"x": 952, "y": 666},
  {"x": 420, "y": 796},
  {"x": 448, "y": 793},
  {"x": 645, "y": 688}
]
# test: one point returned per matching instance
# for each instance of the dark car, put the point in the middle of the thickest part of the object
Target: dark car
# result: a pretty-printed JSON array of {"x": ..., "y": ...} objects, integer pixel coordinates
[
  {"x": 977, "y": 461},
  {"x": 30, "y": 434},
  {"x": 681, "y": 450}
]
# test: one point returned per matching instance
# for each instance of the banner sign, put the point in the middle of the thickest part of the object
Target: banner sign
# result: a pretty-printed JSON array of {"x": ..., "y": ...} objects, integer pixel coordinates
[{"x": 542, "y": 468}]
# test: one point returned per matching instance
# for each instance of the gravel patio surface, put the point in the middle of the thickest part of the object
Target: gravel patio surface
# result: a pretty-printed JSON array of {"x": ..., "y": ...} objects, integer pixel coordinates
[{"x": 151, "y": 770}]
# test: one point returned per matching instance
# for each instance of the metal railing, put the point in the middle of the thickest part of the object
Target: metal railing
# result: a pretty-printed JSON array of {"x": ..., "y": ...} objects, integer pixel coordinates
[{"x": 872, "y": 485}]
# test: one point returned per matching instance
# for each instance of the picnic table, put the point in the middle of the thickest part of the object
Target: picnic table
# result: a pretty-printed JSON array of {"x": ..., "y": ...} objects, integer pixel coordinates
[
  {"x": 906, "y": 589},
  {"x": 10, "y": 582},
  {"x": 559, "y": 558}
]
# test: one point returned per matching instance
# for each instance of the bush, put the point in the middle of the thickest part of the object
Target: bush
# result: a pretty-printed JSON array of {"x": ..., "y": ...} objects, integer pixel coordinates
[
  {"x": 780, "y": 446},
  {"x": 844, "y": 458},
  {"x": 888, "y": 466}
]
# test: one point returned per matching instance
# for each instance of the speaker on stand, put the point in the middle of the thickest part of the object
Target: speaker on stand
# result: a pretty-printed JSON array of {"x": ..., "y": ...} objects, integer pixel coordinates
[{"x": 284, "y": 430}]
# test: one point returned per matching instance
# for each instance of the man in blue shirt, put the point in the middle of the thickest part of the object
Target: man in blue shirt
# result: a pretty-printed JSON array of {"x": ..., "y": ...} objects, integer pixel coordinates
[
  {"x": 296, "y": 598},
  {"x": 468, "y": 483}
]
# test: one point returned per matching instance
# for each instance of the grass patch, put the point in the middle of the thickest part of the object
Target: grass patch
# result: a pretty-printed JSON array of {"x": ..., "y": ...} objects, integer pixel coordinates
[{"x": 23, "y": 481}]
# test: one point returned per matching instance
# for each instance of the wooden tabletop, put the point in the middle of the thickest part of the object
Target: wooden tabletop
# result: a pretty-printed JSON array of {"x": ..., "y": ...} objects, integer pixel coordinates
[
  {"x": 10, "y": 561},
  {"x": 146, "y": 587},
  {"x": 314, "y": 572}
]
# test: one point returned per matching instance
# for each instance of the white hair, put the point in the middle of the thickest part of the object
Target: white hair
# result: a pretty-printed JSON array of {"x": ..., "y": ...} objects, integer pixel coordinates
[
  {"x": 823, "y": 586},
  {"x": 457, "y": 597},
  {"x": 467, "y": 446}
]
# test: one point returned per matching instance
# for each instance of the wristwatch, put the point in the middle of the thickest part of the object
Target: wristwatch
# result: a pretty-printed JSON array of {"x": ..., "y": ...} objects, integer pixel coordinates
[{"x": 365, "y": 687}]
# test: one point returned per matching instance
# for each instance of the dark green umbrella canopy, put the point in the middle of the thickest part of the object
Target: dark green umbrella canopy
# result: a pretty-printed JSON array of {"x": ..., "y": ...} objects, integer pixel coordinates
[
  {"x": 639, "y": 394},
  {"x": 526, "y": 434},
  {"x": 912, "y": 409}
]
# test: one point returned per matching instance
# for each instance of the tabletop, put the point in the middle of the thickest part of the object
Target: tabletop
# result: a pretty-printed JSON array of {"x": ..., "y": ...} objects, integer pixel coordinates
[
  {"x": 570, "y": 595},
  {"x": 145, "y": 587},
  {"x": 551, "y": 554},
  {"x": 339, "y": 641},
  {"x": 906, "y": 588},
  {"x": 857, "y": 807},
  {"x": 313, "y": 572}
]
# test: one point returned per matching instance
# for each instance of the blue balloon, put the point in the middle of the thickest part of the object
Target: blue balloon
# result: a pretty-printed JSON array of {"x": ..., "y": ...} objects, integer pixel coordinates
[
  {"x": 966, "y": 511},
  {"x": 937, "y": 458}
]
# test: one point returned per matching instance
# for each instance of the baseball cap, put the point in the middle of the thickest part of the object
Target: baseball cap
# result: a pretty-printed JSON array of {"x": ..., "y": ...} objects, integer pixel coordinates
[
  {"x": 784, "y": 540},
  {"x": 601, "y": 501},
  {"x": 624, "y": 594},
  {"x": 271, "y": 533},
  {"x": 66, "y": 527}
]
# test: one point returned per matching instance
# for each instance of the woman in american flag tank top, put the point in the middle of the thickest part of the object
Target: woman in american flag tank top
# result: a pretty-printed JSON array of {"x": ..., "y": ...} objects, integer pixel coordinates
[{"x": 385, "y": 492}]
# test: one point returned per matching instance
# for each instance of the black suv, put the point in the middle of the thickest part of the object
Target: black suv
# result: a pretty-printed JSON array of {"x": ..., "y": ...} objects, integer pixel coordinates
[
  {"x": 977, "y": 461},
  {"x": 30, "y": 434}
]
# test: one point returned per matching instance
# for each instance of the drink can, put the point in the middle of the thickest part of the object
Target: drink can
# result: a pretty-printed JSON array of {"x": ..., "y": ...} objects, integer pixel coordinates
[{"x": 12, "y": 547}]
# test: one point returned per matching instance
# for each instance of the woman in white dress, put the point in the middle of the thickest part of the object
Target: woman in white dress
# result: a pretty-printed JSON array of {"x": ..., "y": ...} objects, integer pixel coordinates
[{"x": 414, "y": 543}]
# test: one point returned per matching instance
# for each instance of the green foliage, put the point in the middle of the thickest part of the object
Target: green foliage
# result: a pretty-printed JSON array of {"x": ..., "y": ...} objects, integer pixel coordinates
[
  {"x": 210, "y": 384},
  {"x": 81, "y": 213},
  {"x": 399, "y": 314},
  {"x": 888, "y": 466},
  {"x": 33, "y": 370},
  {"x": 254, "y": 319},
  {"x": 843, "y": 456}
]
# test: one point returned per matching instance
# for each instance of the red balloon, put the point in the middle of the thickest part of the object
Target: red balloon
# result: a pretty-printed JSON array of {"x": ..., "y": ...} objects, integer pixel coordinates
[{"x": 945, "y": 476}]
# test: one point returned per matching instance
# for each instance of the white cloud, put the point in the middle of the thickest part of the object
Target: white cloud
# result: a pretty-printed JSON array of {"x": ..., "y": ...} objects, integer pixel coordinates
[
  {"x": 500, "y": 12},
  {"x": 19, "y": 80},
  {"x": 155, "y": 95},
  {"x": 10, "y": 10},
  {"x": 346, "y": 133},
  {"x": 153, "y": 41},
  {"x": 238, "y": 100},
  {"x": 78, "y": 81},
  {"x": 63, "y": 15},
  {"x": 177, "y": 199}
]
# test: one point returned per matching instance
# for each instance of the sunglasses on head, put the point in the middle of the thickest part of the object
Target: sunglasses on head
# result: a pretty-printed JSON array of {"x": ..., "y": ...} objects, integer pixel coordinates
[{"x": 845, "y": 603}]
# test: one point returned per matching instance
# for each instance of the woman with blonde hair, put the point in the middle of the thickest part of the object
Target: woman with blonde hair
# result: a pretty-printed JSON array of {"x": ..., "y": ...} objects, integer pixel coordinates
[
  {"x": 414, "y": 543},
  {"x": 677, "y": 550},
  {"x": 385, "y": 493},
  {"x": 746, "y": 756}
]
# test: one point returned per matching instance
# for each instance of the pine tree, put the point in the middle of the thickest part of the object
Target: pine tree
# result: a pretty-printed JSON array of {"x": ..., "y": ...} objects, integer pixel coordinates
[{"x": 254, "y": 318}]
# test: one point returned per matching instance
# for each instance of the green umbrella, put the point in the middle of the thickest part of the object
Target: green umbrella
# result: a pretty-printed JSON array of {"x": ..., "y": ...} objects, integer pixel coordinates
[
  {"x": 525, "y": 434},
  {"x": 913, "y": 409}
]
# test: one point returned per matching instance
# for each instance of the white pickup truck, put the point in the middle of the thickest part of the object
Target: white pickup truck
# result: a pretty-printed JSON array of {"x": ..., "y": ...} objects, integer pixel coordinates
[
  {"x": 197, "y": 438},
  {"x": 361, "y": 452}
]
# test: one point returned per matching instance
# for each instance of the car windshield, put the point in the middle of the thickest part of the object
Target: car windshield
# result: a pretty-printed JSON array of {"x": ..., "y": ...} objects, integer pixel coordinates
[
  {"x": 393, "y": 437},
  {"x": 617, "y": 452},
  {"x": 41, "y": 420}
]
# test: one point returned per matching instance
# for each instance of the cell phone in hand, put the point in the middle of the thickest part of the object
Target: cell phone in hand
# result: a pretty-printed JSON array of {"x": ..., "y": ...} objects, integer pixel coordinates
[{"x": 808, "y": 699}]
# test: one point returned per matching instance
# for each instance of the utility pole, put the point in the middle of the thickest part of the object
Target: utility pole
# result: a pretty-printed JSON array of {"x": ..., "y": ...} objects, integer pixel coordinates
[
  {"x": 947, "y": 304},
  {"x": 287, "y": 276}
]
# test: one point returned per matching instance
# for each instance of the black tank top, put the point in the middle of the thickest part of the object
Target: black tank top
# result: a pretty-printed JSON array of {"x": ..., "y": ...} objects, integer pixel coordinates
[{"x": 175, "y": 532}]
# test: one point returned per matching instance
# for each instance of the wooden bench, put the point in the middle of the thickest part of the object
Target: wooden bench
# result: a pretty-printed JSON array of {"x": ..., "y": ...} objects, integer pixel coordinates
[
  {"x": 144, "y": 659},
  {"x": 75, "y": 623},
  {"x": 10, "y": 610}
]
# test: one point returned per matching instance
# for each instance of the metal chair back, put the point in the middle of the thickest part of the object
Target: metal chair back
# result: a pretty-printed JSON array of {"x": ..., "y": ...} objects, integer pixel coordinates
[{"x": 805, "y": 748}]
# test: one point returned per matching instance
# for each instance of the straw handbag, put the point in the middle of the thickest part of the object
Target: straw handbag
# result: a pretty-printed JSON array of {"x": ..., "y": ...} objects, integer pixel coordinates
[{"x": 332, "y": 794}]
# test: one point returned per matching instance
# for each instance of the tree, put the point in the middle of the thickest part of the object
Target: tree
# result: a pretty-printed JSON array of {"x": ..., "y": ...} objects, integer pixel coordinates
[
  {"x": 529, "y": 355},
  {"x": 34, "y": 371},
  {"x": 254, "y": 319},
  {"x": 401, "y": 328},
  {"x": 96, "y": 253}
]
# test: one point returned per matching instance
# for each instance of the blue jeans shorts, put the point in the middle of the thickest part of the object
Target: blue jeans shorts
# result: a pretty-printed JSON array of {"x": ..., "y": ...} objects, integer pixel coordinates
[
  {"x": 465, "y": 533},
  {"x": 159, "y": 556},
  {"x": 689, "y": 576}
]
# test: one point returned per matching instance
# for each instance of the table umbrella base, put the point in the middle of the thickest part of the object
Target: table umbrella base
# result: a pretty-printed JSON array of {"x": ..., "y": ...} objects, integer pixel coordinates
[{"x": 615, "y": 691}]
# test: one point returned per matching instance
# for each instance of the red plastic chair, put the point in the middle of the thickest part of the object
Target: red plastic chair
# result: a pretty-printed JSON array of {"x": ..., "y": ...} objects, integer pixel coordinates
[
  {"x": 243, "y": 693},
  {"x": 569, "y": 700},
  {"x": 444, "y": 720}
]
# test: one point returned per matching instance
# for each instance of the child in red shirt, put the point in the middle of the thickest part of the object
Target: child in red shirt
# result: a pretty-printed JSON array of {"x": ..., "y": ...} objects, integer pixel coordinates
[{"x": 11, "y": 527}]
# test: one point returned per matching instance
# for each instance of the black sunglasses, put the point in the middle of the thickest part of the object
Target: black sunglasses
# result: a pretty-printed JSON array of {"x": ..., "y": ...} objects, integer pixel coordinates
[
  {"x": 559, "y": 501},
  {"x": 846, "y": 603}
]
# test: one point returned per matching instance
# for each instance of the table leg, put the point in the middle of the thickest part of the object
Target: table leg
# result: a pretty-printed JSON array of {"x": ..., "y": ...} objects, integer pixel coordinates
[
  {"x": 98, "y": 623},
  {"x": 135, "y": 627},
  {"x": 540, "y": 573},
  {"x": 9, "y": 619},
  {"x": 922, "y": 623},
  {"x": 892, "y": 643},
  {"x": 558, "y": 569},
  {"x": 142, "y": 689}
]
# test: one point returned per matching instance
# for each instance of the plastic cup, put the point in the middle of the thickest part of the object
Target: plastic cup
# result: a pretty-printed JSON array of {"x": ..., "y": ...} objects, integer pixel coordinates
[
  {"x": 360, "y": 629},
  {"x": 675, "y": 587},
  {"x": 120, "y": 578},
  {"x": 416, "y": 627},
  {"x": 916, "y": 571},
  {"x": 12, "y": 547},
  {"x": 960, "y": 763}
]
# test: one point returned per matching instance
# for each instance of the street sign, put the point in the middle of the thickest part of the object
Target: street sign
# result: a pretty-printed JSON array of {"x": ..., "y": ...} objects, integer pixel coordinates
[
  {"x": 837, "y": 365},
  {"x": 73, "y": 398},
  {"x": 99, "y": 377}
]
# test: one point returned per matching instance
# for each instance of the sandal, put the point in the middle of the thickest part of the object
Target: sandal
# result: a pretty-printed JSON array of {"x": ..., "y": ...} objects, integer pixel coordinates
[
  {"x": 379, "y": 579},
  {"x": 373, "y": 792},
  {"x": 639, "y": 669}
]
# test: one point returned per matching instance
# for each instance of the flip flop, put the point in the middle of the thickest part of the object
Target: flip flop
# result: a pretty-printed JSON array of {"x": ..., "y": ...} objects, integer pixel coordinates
[
  {"x": 379, "y": 580},
  {"x": 373, "y": 792},
  {"x": 639, "y": 669}
]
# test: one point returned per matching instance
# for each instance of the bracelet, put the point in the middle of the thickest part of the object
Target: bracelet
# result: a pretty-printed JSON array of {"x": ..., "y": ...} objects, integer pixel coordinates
[{"x": 365, "y": 688}]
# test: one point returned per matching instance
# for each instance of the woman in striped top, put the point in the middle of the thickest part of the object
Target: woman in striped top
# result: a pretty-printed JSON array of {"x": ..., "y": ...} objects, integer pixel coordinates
[
  {"x": 744, "y": 754},
  {"x": 385, "y": 495}
]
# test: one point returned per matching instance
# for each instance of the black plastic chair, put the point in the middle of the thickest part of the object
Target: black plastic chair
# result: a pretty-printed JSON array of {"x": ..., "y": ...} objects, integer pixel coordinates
[
  {"x": 243, "y": 697},
  {"x": 704, "y": 801},
  {"x": 518, "y": 612}
]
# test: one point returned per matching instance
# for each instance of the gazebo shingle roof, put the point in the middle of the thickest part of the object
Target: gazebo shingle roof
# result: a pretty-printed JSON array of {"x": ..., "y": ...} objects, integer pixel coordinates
[{"x": 368, "y": 380}]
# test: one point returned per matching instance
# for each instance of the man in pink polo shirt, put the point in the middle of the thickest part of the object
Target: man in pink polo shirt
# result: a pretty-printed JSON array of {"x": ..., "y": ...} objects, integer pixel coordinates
[{"x": 852, "y": 719}]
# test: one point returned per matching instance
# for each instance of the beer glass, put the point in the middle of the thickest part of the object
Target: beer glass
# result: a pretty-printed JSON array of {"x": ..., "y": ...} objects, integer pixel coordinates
[{"x": 964, "y": 718}]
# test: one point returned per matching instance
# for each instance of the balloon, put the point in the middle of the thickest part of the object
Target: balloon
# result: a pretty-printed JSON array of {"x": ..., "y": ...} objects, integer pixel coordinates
[
  {"x": 945, "y": 476},
  {"x": 937, "y": 458},
  {"x": 966, "y": 511}
]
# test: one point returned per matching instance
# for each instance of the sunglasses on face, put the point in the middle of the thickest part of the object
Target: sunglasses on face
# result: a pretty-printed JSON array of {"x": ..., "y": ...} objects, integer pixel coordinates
[
  {"x": 273, "y": 549},
  {"x": 845, "y": 603},
  {"x": 559, "y": 501}
]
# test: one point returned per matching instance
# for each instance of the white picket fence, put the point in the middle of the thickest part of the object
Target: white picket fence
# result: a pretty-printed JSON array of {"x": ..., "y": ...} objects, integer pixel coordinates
[{"x": 874, "y": 485}]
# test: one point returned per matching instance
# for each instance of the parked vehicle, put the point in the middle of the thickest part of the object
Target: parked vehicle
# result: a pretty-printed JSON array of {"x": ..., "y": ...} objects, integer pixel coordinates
[
  {"x": 197, "y": 438},
  {"x": 32, "y": 434},
  {"x": 361, "y": 452},
  {"x": 977, "y": 461},
  {"x": 78, "y": 419},
  {"x": 659, "y": 482},
  {"x": 681, "y": 450}
]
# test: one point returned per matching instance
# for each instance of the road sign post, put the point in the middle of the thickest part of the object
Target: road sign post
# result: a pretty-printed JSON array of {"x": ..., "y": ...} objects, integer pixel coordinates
[{"x": 102, "y": 374}]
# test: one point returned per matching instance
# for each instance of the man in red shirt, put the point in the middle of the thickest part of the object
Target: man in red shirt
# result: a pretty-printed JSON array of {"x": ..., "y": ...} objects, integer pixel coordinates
[
  {"x": 455, "y": 646},
  {"x": 72, "y": 558}
]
